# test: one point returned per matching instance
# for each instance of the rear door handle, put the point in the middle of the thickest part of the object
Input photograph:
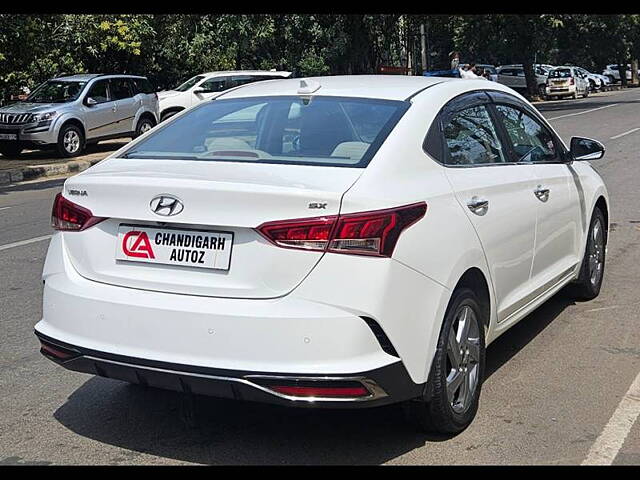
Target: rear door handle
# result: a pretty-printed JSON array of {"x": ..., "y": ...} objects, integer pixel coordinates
[
  {"x": 541, "y": 193},
  {"x": 477, "y": 205}
]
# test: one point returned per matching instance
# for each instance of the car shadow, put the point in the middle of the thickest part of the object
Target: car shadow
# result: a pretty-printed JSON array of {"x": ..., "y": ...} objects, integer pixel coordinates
[{"x": 206, "y": 430}]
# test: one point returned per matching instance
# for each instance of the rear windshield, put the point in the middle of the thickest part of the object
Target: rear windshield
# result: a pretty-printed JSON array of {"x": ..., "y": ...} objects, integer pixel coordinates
[
  {"x": 329, "y": 131},
  {"x": 560, "y": 73}
]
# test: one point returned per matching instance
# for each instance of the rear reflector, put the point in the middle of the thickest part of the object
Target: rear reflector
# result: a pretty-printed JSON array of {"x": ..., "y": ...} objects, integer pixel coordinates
[
  {"x": 298, "y": 391},
  {"x": 56, "y": 352},
  {"x": 368, "y": 233},
  {"x": 67, "y": 216}
]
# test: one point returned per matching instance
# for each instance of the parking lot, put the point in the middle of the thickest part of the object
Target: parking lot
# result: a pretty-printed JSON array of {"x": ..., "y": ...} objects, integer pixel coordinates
[{"x": 561, "y": 385}]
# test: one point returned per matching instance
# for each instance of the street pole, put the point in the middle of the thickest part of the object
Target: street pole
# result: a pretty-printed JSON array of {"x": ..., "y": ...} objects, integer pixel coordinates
[{"x": 423, "y": 48}]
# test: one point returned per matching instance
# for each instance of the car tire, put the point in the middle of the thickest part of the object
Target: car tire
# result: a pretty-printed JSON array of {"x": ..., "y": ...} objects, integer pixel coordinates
[
  {"x": 144, "y": 125},
  {"x": 444, "y": 407},
  {"x": 587, "y": 286},
  {"x": 71, "y": 141},
  {"x": 10, "y": 150}
]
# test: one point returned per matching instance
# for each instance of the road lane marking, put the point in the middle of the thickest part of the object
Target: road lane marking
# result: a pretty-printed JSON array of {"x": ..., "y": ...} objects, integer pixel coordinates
[
  {"x": 582, "y": 113},
  {"x": 608, "y": 444},
  {"x": 4, "y": 208},
  {"x": 625, "y": 133},
  {"x": 24, "y": 242}
]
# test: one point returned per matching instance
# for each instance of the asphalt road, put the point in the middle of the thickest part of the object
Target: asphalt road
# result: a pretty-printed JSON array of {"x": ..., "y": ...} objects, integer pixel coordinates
[{"x": 558, "y": 387}]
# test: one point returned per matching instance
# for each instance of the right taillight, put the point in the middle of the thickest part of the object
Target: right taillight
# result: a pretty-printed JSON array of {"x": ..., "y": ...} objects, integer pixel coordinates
[
  {"x": 67, "y": 216},
  {"x": 368, "y": 233}
]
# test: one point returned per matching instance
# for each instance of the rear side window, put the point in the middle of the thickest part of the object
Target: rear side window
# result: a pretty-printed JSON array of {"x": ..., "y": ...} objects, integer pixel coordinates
[
  {"x": 530, "y": 140},
  {"x": 120, "y": 88},
  {"x": 330, "y": 131},
  {"x": 471, "y": 138},
  {"x": 141, "y": 85}
]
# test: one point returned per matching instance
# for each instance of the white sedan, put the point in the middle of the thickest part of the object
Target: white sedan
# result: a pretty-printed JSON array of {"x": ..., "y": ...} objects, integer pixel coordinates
[{"x": 346, "y": 241}]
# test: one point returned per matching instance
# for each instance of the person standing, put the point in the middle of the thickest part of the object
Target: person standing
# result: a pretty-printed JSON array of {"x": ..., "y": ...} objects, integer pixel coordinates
[{"x": 455, "y": 59}]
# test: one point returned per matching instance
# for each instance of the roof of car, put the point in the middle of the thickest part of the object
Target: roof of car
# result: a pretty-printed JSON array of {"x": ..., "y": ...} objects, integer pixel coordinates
[
  {"x": 246, "y": 72},
  {"x": 85, "y": 77},
  {"x": 386, "y": 87}
]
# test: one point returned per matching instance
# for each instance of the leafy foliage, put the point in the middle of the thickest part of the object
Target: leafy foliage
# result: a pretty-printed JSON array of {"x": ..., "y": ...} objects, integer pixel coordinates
[{"x": 170, "y": 48}]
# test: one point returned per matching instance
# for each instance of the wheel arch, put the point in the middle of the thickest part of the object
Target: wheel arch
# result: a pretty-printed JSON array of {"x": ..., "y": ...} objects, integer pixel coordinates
[
  {"x": 168, "y": 110},
  {"x": 149, "y": 115},
  {"x": 74, "y": 121},
  {"x": 474, "y": 279},
  {"x": 601, "y": 203}
]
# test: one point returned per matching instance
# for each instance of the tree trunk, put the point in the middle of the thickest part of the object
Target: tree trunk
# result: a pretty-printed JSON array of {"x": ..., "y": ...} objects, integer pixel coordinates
[
  {"x": 530, "y": 76},
  {"x": 622, "y": 68},
  {"x": 634, "y": 71}
]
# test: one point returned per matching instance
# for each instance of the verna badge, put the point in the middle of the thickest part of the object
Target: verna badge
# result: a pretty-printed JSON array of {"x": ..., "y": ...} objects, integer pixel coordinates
[{"x": 166, "y": 205}]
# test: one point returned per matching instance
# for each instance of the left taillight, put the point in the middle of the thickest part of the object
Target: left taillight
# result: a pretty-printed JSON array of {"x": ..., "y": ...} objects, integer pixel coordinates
[
  {"x": 69, "y": 217},
  {"x": 367, "y": 233}
]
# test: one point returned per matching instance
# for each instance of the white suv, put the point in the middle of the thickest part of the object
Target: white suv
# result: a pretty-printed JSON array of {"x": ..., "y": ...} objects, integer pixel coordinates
[
  {"x": 207, "y": 86},
  {"x": 346, "y": 241}
]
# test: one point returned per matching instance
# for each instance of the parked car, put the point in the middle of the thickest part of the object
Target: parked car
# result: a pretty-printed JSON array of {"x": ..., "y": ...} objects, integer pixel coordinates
[
  {"x": 346, "y": 241},
  {"x": 207, "y": 86},
  {"x": 493, "y": 74},
  {"x": 567, "y": 82},
  {"x": 513, "y": 76},
  {"x": 613, "y": 72},
  {"x": 453, "y": 73},
  {"x": 596, "y": 82},
  {"x": 69, "y": 113}
]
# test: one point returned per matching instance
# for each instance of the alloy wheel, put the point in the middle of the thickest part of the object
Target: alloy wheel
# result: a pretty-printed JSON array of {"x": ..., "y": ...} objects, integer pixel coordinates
[
  {"x": 71, "y": 141},
  {"x": 463, "y": 357},
  {"x": 145, "y": 127},
  {"x": 596, "y": 253}
]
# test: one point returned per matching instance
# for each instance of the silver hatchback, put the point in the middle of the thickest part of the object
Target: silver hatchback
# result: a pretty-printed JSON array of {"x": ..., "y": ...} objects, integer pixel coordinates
[{"x": 69, "y": 113}]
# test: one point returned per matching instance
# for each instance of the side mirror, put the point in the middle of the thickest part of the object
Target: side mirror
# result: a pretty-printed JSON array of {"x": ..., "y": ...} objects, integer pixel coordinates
[
  {"x": 586, "y": 149},
  {"x": 90, "y": 102}
]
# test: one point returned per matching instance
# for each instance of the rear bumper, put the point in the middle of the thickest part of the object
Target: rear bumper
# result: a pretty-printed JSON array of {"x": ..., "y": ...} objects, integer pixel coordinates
[
  {"x": 568, "y": 90},
  {"x": 388, "y": 384}
]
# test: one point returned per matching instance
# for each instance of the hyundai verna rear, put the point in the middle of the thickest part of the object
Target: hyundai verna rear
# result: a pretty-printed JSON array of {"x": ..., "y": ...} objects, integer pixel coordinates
[{"x": 325, "y": 242}]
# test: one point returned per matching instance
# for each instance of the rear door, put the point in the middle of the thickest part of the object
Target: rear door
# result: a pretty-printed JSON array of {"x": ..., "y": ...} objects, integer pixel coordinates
[
  {"x": 126, "y": 105},
  {"x": 143, "y": 93},
  {"x": 100, "y": 119},
  {"x": 558, "y": 228},
  {"x": 495, "y": 194}
]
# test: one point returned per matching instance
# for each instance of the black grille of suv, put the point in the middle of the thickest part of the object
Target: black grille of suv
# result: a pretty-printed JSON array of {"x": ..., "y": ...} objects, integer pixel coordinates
[{"x": 15, "y": 118}]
